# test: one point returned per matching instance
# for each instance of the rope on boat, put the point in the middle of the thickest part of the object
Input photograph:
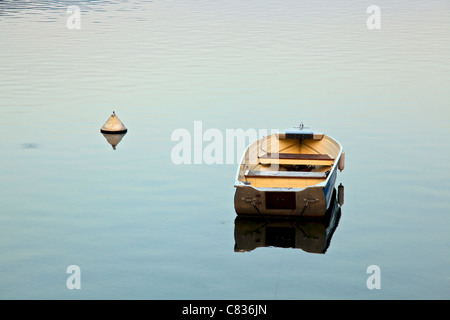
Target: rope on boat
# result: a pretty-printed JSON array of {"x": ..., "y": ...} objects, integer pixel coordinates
[
  {"x": 301, "y": 213},
  {"x": 252, "y": 201},
  {"x": 304, "y": 208}
]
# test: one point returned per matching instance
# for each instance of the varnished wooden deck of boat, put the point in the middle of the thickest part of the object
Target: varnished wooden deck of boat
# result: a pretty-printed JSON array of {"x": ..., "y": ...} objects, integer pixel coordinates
[{"x": 267, "y": 163}]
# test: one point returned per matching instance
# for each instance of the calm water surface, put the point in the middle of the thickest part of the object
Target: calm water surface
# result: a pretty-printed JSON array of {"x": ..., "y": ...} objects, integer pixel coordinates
[{"x": 141, "y": 227}]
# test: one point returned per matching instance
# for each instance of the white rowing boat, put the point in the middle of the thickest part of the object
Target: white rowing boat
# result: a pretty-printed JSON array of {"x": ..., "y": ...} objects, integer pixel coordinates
[{"x": 289, "y": 173}]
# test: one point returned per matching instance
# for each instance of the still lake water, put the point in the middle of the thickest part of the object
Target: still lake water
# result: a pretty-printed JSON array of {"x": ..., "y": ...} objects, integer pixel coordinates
[{"x": 141, "y": 227}]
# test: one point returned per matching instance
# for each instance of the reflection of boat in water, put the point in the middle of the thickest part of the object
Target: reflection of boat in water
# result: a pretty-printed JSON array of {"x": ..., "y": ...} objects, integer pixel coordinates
[
  {"x": 289, "y": 173},
  {"x": 310, "y": 235}
]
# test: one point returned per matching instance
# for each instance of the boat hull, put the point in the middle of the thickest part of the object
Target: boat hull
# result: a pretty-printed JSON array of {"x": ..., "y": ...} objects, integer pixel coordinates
[
  {"x": 311, "y": 202},
  {"x": 281, "y": 193}
]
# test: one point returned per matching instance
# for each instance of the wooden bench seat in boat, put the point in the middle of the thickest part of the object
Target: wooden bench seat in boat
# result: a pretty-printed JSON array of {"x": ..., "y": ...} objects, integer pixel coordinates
[
  {"x": 286, "y": 174},
  {"x": 283, "y": 179},
  {"x": 296, "y": 159}
]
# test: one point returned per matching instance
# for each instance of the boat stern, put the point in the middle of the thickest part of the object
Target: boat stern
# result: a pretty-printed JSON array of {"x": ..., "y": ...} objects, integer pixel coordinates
[{"x": 309, "y": 202}]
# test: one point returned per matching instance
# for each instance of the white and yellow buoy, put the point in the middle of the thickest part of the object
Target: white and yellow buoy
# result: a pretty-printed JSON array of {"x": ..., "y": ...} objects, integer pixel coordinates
[{"x": 113, "y": 125}]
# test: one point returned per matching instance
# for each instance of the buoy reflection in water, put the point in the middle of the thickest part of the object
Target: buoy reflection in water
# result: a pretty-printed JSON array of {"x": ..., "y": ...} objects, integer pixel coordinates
[{"x": 113, "y": 138}]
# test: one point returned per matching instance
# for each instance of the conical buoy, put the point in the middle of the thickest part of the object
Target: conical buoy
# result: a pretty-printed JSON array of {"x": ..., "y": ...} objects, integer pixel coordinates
[{"x": 113, "y": 125}]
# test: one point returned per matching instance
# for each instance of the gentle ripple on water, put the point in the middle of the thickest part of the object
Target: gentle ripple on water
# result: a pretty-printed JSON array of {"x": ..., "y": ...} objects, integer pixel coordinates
[{"x": 166, "y": 231}]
